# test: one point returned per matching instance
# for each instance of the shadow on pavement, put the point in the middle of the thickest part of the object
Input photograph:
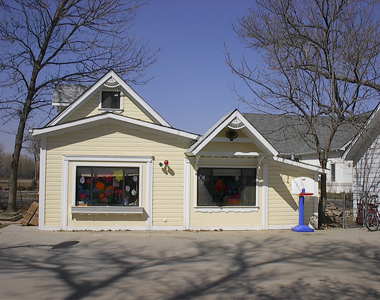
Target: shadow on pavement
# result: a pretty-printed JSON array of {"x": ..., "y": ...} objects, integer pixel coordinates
[{"x": 270, "y": 268}]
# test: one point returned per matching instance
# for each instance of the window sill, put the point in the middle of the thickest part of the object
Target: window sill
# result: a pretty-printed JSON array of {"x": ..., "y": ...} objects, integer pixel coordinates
[
  {"x": 106, "y": 210},
  {"x": 226, "y": 209},
  {"x": 113, "y": 110}
]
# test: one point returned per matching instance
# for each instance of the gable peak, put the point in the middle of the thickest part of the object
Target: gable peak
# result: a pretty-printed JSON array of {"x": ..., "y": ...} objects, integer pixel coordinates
[
  {"x": 111, "y": 82},
  {"x": 236, "y": 123}
]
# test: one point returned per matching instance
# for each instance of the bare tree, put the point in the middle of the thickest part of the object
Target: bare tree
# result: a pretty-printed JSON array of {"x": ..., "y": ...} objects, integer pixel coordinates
[
  {"x": 320, "y": 63},
  {"x": 43, "y": 43},
  {"x": 33, "y": 145}
]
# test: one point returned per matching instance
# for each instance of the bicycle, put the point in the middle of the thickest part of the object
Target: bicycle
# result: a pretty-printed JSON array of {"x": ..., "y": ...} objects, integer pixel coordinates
[{"x": 372, "y": 220}]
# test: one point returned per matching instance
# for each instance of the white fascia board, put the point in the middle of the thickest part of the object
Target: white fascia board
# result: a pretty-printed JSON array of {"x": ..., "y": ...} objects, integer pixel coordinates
[
  {"x": 298, "y": 164},
  {"x": 197, "y": 147},
  {"x": 96, "y": 86},
  {"x": 140, "y": 101},
  {"x": 94, "y": 121},
  {"x": 360, "y": 134}
]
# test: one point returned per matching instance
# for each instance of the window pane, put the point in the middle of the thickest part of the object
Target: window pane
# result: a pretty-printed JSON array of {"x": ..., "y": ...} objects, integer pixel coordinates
[
  {"x": 83, "y": 186},
  {"x": 107, "y": 186},
  {"x": 226, "y": 187},
  {"x": 204, "y": 183},
  {"x": 131, "y": 186},
  {"x": 248, "y": 195},
  {"x": 110, "y": 99}
]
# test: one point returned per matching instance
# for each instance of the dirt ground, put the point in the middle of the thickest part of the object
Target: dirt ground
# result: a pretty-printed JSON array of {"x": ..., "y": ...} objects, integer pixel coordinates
[{"x": 326, "y": 264}]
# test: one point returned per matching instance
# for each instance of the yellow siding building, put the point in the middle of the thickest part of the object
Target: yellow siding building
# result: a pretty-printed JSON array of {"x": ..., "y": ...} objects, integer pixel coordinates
[{"x": 109, "y": 161}]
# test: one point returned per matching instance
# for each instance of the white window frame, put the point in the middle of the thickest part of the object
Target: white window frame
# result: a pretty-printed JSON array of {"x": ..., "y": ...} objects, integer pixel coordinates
[
  {"x": 215, "y": 209},
  {"x": 107, "y": 209},
  {"x": 105, "y": 109},
  {"x": 108, "y": 161}
]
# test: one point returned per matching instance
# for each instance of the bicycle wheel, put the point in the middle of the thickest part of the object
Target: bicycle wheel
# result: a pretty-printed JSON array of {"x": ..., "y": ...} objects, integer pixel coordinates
[{"x": 372, "y": 221}]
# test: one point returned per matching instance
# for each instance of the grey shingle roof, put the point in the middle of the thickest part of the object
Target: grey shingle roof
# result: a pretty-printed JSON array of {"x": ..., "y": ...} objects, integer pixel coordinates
[
  {"x": 65, "y": 94},
  {"x": 283, "y": 132}
]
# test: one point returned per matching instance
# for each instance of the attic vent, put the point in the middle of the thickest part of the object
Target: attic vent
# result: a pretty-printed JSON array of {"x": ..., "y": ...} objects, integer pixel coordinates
[
  {"x": 111, "y": 82},
  {"x": 236, "y": 124}
]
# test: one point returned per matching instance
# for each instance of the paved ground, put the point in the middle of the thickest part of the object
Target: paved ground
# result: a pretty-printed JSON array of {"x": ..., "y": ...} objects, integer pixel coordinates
[{"x": 328, "y": 264}]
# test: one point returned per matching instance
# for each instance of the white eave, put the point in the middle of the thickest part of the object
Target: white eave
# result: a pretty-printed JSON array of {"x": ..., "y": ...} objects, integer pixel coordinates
[
  {"x": 110, "y": 117},
  {"x": 135, "y": 97},
  {"x": 256, "y": 137},
  {"x": 297, "y": 164},
  {"x": 364, "y": 135}
]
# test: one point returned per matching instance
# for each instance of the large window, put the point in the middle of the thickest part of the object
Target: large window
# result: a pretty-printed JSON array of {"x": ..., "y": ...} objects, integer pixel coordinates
[
  {"x": 107, "y": 186},
  {"x": 226, "y": 187},
  {"x": 110, "y": 100}
]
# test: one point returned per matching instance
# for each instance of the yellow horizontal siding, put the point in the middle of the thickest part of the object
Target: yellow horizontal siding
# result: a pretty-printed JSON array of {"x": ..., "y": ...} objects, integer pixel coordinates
[
  {"x": 90, "y": 107},
  {"x": 283, "y": 206},
  {"x": 114, "y": 140}
]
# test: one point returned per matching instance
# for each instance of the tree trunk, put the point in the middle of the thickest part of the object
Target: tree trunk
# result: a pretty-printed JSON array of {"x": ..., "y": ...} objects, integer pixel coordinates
[
  {"x": 323, "y": 199},
  {"x": 12, "y": 196}
]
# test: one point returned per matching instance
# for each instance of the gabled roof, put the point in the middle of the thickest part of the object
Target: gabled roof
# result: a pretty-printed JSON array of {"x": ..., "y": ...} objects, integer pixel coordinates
[
  {"x": 365, "y": 137},
  {"x": 148, "y": 110},
  {"x": 256, "y": 137},
  {"x": 283, "y": 132},
  {"x": 110, "y": 117}
]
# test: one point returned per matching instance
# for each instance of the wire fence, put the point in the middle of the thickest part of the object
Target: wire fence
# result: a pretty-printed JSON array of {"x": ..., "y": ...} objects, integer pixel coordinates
[
  {"x": 23, "y": 201},
  {"x": 341, "y": 212}
]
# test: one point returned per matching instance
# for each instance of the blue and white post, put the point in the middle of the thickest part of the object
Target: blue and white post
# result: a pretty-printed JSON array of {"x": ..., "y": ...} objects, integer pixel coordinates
[{"x": 301, "y": 227}]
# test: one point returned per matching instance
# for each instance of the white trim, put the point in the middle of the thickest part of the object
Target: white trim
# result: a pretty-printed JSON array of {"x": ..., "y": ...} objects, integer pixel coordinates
[
  {"x": 149, "y": 193},
  {"x": 297, "y": 164},
  {"x": 227, "y": 228},
  {"x": 212, "y": 209},
  {"x": 316, "y": 195},
  {"x": 121, "y": 99},
  {"x": 103, "y": 228},
  {"x": 219, "y": 126},
  {"x": 135, "y": 98},
  {"x": 226, "y": 209},
  {"x": 65, "y": 189},
  {"x": 94, "y": 121},
  {"x": 265, "y": 196},
  {"x": 127, "y": 161},
  {"x": 106, "y": 158},
  {"x": 102, "y": 163},
  {"x": 228, "y": 154},
  {"x": 42, "y": 186},
  {"x": 187, "y": 194},
  {"x": 360, "y": 134},
  {"x": 107, "y": 210}
]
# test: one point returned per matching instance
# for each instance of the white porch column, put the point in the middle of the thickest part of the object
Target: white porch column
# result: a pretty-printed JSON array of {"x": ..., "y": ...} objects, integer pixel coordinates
[{"x": 265, "y": 195}]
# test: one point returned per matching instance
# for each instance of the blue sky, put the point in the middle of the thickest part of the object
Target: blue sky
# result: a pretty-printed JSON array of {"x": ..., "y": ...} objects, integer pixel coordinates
[{"x": 191, "y": 85}]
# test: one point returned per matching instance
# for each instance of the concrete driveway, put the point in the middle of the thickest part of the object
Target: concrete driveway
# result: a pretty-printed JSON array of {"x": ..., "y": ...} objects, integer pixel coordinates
[{"x": 328, "y": 264}]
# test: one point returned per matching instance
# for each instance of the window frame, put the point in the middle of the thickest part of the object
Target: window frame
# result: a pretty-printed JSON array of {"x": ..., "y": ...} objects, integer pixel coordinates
[
  {"x": 333, "y": 172},
  {"x": 106, "y": 209},
  {"x": 107, "y": 109},
  {"x": 225, "y": 208}
]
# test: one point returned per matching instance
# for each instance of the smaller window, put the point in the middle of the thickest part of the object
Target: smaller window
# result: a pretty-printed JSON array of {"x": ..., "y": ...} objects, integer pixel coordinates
[
  {"x": 110, "y": 100},
  {"x": 332, "y": 172}
]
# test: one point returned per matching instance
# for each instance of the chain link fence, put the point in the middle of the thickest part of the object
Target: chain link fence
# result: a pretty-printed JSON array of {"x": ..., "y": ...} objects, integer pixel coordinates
[
  {"x": 341, "y": 212},
  {"x": 23, "y": 201}
]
